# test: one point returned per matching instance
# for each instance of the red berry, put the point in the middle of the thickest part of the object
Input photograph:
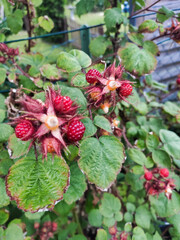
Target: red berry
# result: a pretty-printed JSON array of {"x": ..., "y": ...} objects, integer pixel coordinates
[
  {"x": 36, "y": 225},
  {"x": 125, "y": 89},
  {"x": 91, "y": 76},
  {"x": 164, "y": 172},
  {"x": 178, "y": 81},
  {"x": 24, "y": 130},
  {"x": 75, "y": 131},
  {"x": 148, "y": 175},
  {"x": 113, "y": 230},
  {"x": 54, "y": 226},
  {"x": 62, "y": 103}
]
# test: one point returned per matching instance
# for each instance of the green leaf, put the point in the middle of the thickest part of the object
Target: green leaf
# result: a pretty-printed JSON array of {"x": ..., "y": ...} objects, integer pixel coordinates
[
  {"x": 109, "y": 222},
  {"x": 148, "y": 26},
  {"x": 35, "y": 185},
  {"x": 110, "y": 205},
  {"x": 2, "y": 115},
  {"x": 101, "y": 160},
  {"x": 63, "y": 208},
  {"x": 171, "y": 108},
  {"x": 175, "y": 220},
  {"x": 12, "y": 77},
  {"x": 137, "y": 61},
  {"x": 157, "y": 236},
  {"x": 136, "y": 38},
  {"x": 37, "y": 60},
  {"x": 18, "y": 147},
  {"x": 137, "y": 156},
  {"x": 118, "y": 216},
  {"x": 2, "y": 75},
  {"x": 98, "y": 46},
  {"x": 156, "y": 124},
  {"x": 151, "y": 47},
  {"x": 128, "y": 217},
  {"x": 83, "y": 59},
  {"x": 37, "y": 3},
  {"x": 84, "y": 6},
  {"x": 5, "y": 162},
  {"x": 34, "y": 216},
  {"x": 171, "y": 142},
  {"x": 90, "y": 127},
  {"x": 128, "y": 227},
  {"x": 152, "y": 142},
  {"x": 165, "y": 207},
  {"x": 95, "y": 218},
  {"x": 138, "y": 234},
  {"x": 2, "y": 37},
  {"x": 79, "y": 80},
  {"x": 103, "y": 123},
  {"x": 15, "y": 26},
  {"x": 166, "y": 14},
  {"x": 71, "y": 153},
  {"x": 4, "y": 215},
  {"x": 112, "y": 17},
  {"x": 46, "y": 23},
  {"x": 68, "y": 62},
  {"x": 4, "y": 199},
  {"x": 50, "y": 71},
  {"x": 143, "y": 217},
  {"x": 5, "y": 132},
  {"x": 161, "y": 158},
  {"x": 77, "y": 184},
  {"x": 2, "y": 233},
  {"x": 14, "y": 232},
  {"x": 101, "y": 234},
  {"x": 134, "y": 181},
  {"x": 2, "y": 102},
  {"x": 78, "y": 237}
]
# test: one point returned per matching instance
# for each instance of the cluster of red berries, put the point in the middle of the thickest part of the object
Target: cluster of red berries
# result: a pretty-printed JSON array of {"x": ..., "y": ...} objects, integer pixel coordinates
[
  {"x": 108, "y": 88},
  {"x": 7, "y": 53},
  {"x": 46, "y": 231},
  {"x": 51, "y": 124},
  {"x": 115, "y": 235},
  {"x": 157, "y": 181}
]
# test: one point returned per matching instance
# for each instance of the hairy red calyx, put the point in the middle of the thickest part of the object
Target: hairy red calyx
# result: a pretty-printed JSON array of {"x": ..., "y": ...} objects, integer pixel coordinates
[
  {"x": 45, "y": 123},
  {"x": 157, "y": 182},
  {"x": 109, "y": 88},
  {"x": 7, "y": 53}
]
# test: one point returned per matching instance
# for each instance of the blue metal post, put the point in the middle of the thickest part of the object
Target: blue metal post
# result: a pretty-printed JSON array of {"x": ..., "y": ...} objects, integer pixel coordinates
[{"x": 85, "y": 39}]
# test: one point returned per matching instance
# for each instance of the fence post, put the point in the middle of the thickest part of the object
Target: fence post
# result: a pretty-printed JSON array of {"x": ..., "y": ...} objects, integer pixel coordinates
[{"x": 85, "y": 39}]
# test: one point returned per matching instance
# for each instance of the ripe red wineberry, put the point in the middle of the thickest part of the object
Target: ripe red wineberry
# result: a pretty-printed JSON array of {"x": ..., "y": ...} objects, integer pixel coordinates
[
  {"x": 91, "y": 76},
  {"x": 164, "y": 172},
  {"x": 75, "y": 131},
  {"x": 178, "y": 81},
  {"x": 125, "y": 89},
  {"x": 24, "y": 130},
  {"x": 62, "y": 103},
  {"x": 148, "y": 175}
]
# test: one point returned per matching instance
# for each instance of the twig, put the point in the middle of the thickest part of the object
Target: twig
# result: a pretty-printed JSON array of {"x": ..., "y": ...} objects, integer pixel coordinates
[
  {"x": 75, "y": 215},
  {"x": 125, "y": 138},
  {"x": 20, "y": 69},
  {"x": 144, "y": 9},
  {"x": 35, "y": 151}
]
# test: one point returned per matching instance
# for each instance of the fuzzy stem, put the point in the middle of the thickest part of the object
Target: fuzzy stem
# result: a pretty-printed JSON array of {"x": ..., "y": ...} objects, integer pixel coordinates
[
  {"x": 35, "y": 151},
  {"x": 76, "y": 218},
  {"x": 125, "y": 138}
]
